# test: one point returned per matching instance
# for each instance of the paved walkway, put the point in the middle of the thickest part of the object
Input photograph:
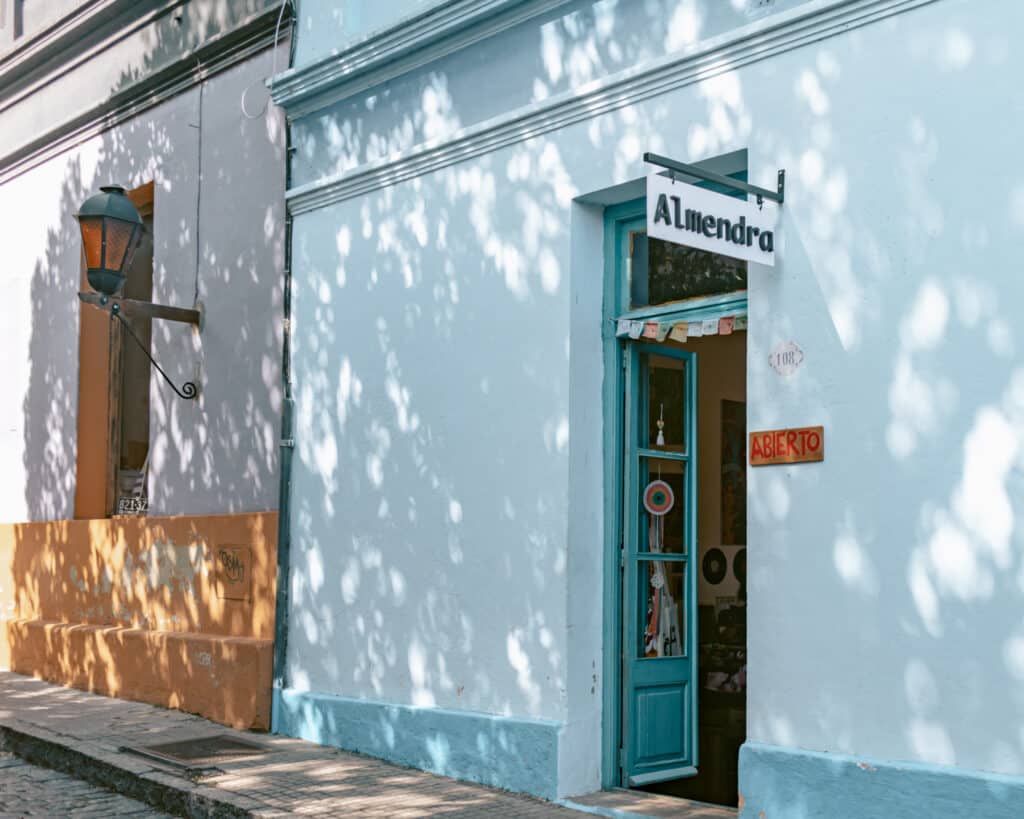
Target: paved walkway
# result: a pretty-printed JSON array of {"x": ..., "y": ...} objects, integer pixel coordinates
[
  {"x": 82, "y": 733},
  {"x": 87, "y": 735},
  {"x": 28, "y": 790}
]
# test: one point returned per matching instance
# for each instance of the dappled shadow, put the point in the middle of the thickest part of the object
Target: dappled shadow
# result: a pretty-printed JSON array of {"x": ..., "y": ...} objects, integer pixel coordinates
[
  {"x": 143, "y": 607},
  {"x": 433, "y": 384},
  {"x": 174, "y": 611},
  {"x": 290, "y": 777},
  {"x": 561, "y": 52},
  {"x": 218, "y": 239}
]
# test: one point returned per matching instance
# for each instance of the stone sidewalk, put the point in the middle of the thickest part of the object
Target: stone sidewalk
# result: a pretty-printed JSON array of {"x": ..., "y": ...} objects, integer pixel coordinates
[
  {"x": 89, "y": 737},
  {"x": 83, "y": 734},
  {"x": 29, "y": 790}
]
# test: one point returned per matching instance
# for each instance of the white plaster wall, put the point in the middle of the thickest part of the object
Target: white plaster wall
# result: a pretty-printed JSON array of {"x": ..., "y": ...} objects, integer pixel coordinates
[
  {"x": 429, "y": 512},
  {"x": 216, "y": 455},
  {"x": 220, "y": 454},
  {"x": 886, "y": 583},
  {"x": 41, "y": 352},
  {"x": 447, "y": 377}
]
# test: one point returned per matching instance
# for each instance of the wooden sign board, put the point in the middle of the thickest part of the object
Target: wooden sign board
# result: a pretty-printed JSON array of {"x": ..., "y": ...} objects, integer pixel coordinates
[{"x": 787, "y": 446}]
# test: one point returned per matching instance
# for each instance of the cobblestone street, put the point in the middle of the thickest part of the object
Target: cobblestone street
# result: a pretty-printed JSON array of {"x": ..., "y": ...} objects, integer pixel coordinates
[{"x": 28, "y": 790}]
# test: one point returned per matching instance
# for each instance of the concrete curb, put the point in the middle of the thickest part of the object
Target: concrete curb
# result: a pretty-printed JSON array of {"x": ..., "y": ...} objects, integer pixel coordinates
[{"x": 160, "y": 788}]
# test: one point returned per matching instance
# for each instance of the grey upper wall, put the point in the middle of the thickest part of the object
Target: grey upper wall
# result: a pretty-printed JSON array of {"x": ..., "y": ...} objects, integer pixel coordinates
[
  {"x": 99, "y": 61},
  {"x": 191, "y": 114},
  {"x": 23, "y": 19}
]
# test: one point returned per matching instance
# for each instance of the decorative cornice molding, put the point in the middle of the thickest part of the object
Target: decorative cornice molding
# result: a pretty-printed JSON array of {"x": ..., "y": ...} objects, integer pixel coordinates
[
  {"x": 766, "y": 38},
  {"x": 399, "y": 49},
  {"x": 215, "y": 55},
  {"x": 63, "y": 45},
  {"x": 74, "y": 22},
  {"x": 60, "y": 37}
]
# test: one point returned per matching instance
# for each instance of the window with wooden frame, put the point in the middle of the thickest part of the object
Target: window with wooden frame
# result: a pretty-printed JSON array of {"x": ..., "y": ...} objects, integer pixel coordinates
[{"x": 113, "y": 393}]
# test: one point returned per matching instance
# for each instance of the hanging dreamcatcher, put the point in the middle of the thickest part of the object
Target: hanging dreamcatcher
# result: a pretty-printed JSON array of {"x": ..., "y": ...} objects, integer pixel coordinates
[{"x": 661, "y": 638}]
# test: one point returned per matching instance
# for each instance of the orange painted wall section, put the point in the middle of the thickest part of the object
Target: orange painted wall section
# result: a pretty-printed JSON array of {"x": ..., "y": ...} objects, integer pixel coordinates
[
  {"x": 225, "y": 679},
  {"x": 7, "y": 606},
  {"x": 173, "y": 611}
]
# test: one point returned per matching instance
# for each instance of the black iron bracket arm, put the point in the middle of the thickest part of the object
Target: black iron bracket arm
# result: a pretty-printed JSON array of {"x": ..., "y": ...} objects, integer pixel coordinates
[
  {"x": 119, "y": 308},
  {"x": 188, "y": 390},
  {"x": 726, "y": 181}
]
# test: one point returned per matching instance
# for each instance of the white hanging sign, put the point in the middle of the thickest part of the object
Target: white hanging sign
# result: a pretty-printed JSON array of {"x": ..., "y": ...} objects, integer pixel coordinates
[{"x": 695, "y": 217}]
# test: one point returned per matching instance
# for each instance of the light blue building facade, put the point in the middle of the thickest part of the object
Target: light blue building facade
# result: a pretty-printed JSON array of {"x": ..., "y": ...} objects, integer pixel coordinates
[{"x": 470, "y": 569}]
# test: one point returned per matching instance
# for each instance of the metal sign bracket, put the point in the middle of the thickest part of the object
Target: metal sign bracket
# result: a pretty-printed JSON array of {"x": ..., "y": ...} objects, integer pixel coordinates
[{"x": 719, "y": 179}]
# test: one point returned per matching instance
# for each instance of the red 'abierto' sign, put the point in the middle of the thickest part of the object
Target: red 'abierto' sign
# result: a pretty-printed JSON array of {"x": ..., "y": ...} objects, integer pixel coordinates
[{"x": 787, "y": 446}]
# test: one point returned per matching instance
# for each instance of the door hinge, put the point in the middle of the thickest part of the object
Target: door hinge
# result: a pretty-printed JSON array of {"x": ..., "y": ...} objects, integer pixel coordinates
[
  {"x": 622, "y": 557},
  {"x": 622, "y": 759}
]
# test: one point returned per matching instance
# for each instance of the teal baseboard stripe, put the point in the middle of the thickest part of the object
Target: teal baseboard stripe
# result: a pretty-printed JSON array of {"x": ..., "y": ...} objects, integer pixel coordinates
[
  {"x": 506, "y": 752},
  {"x": 787, "y": 783}
]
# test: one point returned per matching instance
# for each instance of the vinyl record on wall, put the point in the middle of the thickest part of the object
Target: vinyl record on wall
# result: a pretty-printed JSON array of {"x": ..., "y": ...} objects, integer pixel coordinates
[
  {"x": 739, "y": 566},
  {"x": 714, "y": 566}
]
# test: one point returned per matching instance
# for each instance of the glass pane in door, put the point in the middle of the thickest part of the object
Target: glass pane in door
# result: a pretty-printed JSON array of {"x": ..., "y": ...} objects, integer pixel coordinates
[
  {"x": 662, "y": 621},
  {"x": 662, "y": 532},
  {"x": 666, "y": 403}
]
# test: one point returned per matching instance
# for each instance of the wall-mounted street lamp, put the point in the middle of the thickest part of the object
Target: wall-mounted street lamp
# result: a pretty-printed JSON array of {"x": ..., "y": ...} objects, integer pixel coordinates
[{"x": 111, "y": 233}]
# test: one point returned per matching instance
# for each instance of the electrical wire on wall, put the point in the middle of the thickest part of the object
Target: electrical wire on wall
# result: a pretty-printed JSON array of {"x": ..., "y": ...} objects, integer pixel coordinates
[
  {"x": 273, "y": 70},
  {"x": 199, "y": 185}
]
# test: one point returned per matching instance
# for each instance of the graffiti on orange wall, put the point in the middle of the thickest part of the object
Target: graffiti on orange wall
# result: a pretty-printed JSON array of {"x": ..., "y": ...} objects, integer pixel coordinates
[{"x": 175, "y": 611}]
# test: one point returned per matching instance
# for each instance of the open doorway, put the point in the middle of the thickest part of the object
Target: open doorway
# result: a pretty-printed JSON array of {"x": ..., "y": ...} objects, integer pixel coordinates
[
  {"x": 677, "y": 609},
  {"x": 720, "y": 566}
]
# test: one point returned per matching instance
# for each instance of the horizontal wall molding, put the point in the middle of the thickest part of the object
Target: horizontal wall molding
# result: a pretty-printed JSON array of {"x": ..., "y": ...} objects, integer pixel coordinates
[
  {"x": 217, "y": 54},
  {"x": 58, "y": 50},
  {"x": 35, "y": 48},
  {"x": 757, "y": 41},
  {"x": 399, "y": 49},
  {"x": 516, "y": 754},
  {"x": 774, "y": 779}
]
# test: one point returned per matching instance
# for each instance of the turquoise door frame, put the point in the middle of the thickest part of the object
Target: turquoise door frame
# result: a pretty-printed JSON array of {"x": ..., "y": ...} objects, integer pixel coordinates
[
  {"x": 620, "y": 221},
  {"x": 659, "y": 673}
]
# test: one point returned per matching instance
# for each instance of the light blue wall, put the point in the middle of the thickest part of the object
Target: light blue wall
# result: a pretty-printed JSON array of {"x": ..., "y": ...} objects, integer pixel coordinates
[
  {"x": 431, "y": 357},
  {"x": 328, "y": 26},
  {"x": 561, "y": 50},
  {"x": 795, "y": 784},
  {"x": 510, "y": 753},
  {"x": 446, "y": 354}
]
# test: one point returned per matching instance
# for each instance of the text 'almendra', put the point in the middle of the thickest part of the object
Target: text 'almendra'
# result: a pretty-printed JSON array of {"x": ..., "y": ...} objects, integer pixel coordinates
[{"x": 713, "y": 227}]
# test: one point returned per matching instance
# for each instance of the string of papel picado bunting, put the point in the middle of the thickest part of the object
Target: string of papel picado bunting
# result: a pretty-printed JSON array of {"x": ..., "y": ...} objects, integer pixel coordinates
[{"x": 679, "y": 330}]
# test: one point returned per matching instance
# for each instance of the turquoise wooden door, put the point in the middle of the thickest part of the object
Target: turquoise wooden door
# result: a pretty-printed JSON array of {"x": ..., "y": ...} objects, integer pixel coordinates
[{"x": 659, "y": 642}]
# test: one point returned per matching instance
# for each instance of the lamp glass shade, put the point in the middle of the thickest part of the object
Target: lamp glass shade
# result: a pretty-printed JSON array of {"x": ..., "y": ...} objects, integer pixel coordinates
[
  {"x": 120, "y": 245},
  {"x": 111, "y": 229},
  {"x": 92, "y": 241}
]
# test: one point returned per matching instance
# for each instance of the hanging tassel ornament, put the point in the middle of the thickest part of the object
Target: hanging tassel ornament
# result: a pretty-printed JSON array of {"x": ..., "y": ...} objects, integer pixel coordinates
[{"x": 661, "y": 427}]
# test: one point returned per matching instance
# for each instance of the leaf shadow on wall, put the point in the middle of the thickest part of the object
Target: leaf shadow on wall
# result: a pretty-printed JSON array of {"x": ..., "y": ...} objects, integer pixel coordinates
[{"x": 111, "y": 606}]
